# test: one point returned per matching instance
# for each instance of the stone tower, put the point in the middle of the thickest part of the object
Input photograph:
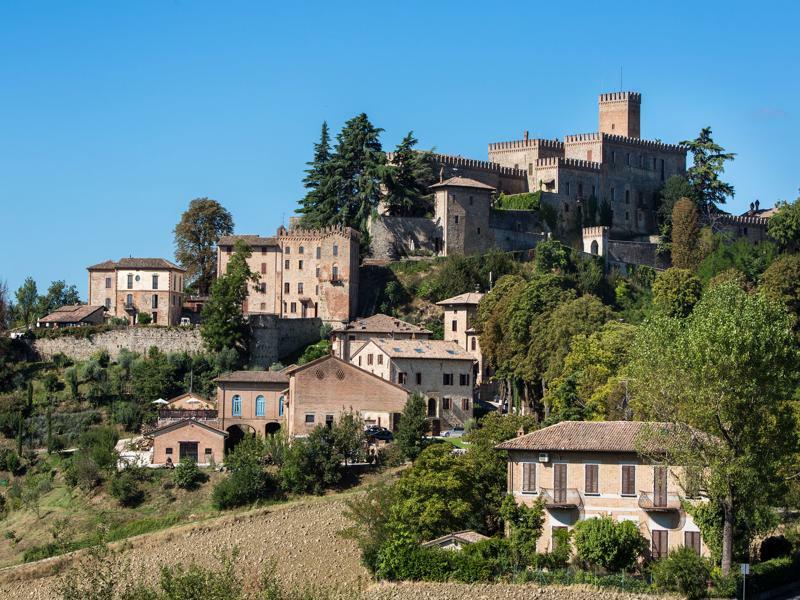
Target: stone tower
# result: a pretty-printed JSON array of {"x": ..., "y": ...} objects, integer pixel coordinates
[{"x": 619, "y": 113}]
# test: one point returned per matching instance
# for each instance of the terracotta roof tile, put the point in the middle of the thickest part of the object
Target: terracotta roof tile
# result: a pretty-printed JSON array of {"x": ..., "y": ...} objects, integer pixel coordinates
[
  {"x": 462, "y": 182},
  {"x": 73, "y": 313},
  {"x": 106, "y": 265},
  {"x": 468, "y": 298},
  {"x": 597, "y": 436},
  {"x": 253, "y": 377},
  {"x": 147, "y": 263},
  {"x": 381, "y": 323},
  {"x": 433, "y": 349}
]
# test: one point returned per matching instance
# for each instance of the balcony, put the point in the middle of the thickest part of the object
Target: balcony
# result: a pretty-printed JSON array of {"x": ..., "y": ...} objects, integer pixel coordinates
[
  {"x": 200, "y": 415},
  {"x": 650, "y": 502},
  {"x": 129, "y": 307},
  {"x": 565, "y": 498}
]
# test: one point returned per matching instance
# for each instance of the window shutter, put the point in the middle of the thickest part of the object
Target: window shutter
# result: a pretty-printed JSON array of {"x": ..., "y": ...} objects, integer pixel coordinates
[
  {"x": 691, "y": 539},
  {"x": 528, "y": 477},
  {"x": 628, "y": 480},
  {"x": 591, "y": 485}
]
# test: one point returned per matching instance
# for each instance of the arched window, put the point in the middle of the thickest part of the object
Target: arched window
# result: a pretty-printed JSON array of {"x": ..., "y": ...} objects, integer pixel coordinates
[
  {"x": 335, "y": 273},
  {"x": 236, "y": 406},
  {"x": 594, "y": 247},
  {"x": 260, "y": 406},
  {"x": 129, "y": 300},
  {"x": 280, "y": 406}
]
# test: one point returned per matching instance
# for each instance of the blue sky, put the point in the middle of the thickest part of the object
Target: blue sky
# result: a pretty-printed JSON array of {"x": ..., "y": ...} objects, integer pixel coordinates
[{"x": 114, "y": 115}]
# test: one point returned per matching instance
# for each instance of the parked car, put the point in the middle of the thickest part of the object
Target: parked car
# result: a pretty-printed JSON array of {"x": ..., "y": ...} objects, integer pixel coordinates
[
  {"x": 375, "y": 432},
  {"x": 454, "y": 432}
]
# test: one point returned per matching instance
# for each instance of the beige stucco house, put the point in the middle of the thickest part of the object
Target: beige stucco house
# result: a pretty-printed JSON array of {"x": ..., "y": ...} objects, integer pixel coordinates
[
  {"x": 442, "y": 371},
  {"x": 348, "y": 341},
  {"x": 322, "y": 390},
  {"x": 459, "y": 319},
  {"x": 583, "y": 470},
  {"x": 131, "y": 286}
]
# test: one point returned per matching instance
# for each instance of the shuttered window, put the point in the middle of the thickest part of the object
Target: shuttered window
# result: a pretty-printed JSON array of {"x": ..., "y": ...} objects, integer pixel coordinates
[
  {"x": 660, "y": 543},
  {"x": 628, "y": 480},
  {"x": 691, "y": 539},
  {"x": 528, "y": 477},
  {"x": 591, "y": 485}
]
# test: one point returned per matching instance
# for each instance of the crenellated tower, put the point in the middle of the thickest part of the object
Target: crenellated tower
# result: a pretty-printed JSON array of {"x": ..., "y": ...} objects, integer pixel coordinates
[{"x": 620, "y": 114}]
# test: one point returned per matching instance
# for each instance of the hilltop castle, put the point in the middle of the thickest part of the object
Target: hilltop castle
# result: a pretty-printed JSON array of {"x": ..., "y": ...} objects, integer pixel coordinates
[{"x": 611, "y": 177}]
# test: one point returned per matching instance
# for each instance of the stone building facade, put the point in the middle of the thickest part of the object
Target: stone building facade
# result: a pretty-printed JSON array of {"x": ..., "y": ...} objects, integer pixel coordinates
[
  {"x": 459, "y": 315},
  {"x": 251, "y": 402},
  {"x": 441, "y": 371},
  {"x": 303, "y": 273},
  {"x": 583, "y": 470},
  {"x": 131, "y": 286}
]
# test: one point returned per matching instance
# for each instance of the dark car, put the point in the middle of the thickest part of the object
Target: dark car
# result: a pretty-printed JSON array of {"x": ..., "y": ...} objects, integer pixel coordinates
[{"x": 375, "y": 432}]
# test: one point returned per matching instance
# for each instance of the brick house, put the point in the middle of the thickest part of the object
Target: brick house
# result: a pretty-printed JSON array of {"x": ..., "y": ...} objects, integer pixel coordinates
[
  {"x": 188, "y": 438},
  {"x": 73, "y": 315},
  {"x": 321, "y": 390},
  {"x": 187, "y": 406},
  {"x": 347, "y": 341},
  {"x": 131, "y": 286},
  {"x": 303, "y": 273},
  {"x": 440, "y": 370},
  {"x": 251, "y": 402},
  {"x": 585, "y": 469}
]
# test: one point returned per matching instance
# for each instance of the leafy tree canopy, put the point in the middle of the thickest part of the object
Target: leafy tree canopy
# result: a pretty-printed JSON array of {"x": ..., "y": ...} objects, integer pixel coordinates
[
  {"x": 784, "y": 226},
  {"x": 196, "y": 235}
]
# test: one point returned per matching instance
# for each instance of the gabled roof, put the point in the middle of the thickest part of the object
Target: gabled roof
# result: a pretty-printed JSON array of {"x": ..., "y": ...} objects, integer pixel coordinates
[
  {"x": 183, "y": 423},
  {"x": 465, "y": 537},
  {"x": 462, "y": 182},
  {"x": 381, "y": 323},
  {"x": 468, "y": 298},
  {"x": 189, "y": 395},
  {"x": 106, "y": 265},
  {"x": 253, "y": 377},
  {"x": 249, "y": 239},
  {"x": 589, "y": 436},
  {"x": 135, "y": 263},
  {"x": 323, "y": 359},
  {"x": 147, "y": 263},
  {"x": 72, "y": 313},
  {"x": 428, "y": 349}
]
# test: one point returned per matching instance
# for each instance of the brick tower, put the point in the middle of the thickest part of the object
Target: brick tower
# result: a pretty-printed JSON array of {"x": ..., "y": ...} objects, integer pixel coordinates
[{"x": 619, "y": 113}]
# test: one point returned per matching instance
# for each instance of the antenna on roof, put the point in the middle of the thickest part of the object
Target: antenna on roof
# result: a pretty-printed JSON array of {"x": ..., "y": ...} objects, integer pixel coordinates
[{"x": 620, "y": 78}]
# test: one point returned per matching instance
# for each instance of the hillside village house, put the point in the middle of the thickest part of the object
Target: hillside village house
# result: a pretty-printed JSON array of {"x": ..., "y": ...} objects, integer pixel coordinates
[
  {"x": 303, "y": 273},
  {"x": 589, "y": 469},
  {"x": 251, "y": 402},
  {"x": 73, "y": 315},
  {"x": 438, "y": 369},
  {"x": 348, "y": 341},
  {"x": 183, "y": 439},
  {"x": 131, "y": 286},
  {"x": 322, "y": 390},
  {"x": 459, "y": 316},
  {"x": 186, "y": 406}
]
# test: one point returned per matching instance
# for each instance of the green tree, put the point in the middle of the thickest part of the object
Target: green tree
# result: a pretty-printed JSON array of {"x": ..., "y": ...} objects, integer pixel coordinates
[
  {"x": 435, "y": 496},
  {"x": 187, "y": 474},
  {"x": 143, "y": 318},
  {"x": 784, "y": 226},
  {"x": 685, "y": 235},
  {"x": 781, "y": 282},
  {"x": 676, "y": 291},
  {"x": 407, "y": 180},
  {"x": 675, "y": 188},
  {"x": 58, "y": 294},
  {"x": 196, "y": 235},
  {"x": 5, "y": 308},
  {"x": 27, "y": 299},
  {"x": 224, "y": 326},
  {"x": 603, "y": 542},
  {"x": 728, "y": 370},
  {"x": 552, "y": 256},
  {"x": 709, "y": 160},
  {"x": 318, "y": 205},
  {"x": 410, "y": 438},
  {"x": 248, "y": 480},
  {"x": 349, "y": 438},
  {"x": 524, "y": 528},
  {"x": 312, "y": 464}
]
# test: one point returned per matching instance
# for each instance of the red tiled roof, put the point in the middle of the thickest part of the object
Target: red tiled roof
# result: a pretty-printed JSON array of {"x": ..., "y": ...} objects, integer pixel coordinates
[
  {"x": 468, "y": 298},
  {"x": 381, "y": 323},
  {"x": 253, "y": 377},
  {"x": 462, "y": 182},
  {"x": 73, "y": 313},
  {"x": 596, "y": 436}
]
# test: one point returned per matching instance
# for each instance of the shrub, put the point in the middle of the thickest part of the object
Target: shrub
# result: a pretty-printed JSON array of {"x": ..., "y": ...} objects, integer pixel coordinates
[
  {"x": 125, "y": 488},
  {"x": 614, "y": 546},
  {"x": 9, "y": 460},
  {"x": 403, "y": 559},
  {"x": 774, "y": 547},
  {"x": 312, "y": 464},
  {"x": 776, "y": 572},
  {"x": 248, "y": 481},
  {"x": 82, "y": 472},
  {"x": 143, "y": 318},
  {"x": 682, "y": 571},
  {"x": 187, "y": 475}
]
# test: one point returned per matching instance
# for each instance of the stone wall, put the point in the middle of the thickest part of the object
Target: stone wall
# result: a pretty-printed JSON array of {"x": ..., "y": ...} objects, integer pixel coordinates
[
  {"x": 274, "y": 338},
  {"x": 136, "y": 339},
  {"x": 636, "y": 253},
  {"x": 395, "y": 237}
]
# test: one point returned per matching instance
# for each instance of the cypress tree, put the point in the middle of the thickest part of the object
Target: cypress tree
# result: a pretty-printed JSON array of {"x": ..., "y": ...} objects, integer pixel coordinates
[
  {"x": 407, "y": 180},
  {"x": 685, "y": 235},
  {"x": 318, "y": 207}
]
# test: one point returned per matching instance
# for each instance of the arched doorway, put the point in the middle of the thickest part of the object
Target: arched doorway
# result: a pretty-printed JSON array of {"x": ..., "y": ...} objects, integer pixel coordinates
[
  {"x": 236, "y": 434},
  {"x": 594, "y": 247},
  {"x": 272, "y": 428}
]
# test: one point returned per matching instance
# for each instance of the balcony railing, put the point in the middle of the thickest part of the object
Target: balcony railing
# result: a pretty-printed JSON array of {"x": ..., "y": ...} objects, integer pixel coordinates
[
  {"x": 659, "y": 503},
  {"x": 561, "y": 498}
]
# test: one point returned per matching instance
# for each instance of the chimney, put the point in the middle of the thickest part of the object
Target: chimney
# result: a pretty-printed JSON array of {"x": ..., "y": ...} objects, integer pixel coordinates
[
  {"x": 525, "y": 135},
  {"x": 520, "y": 432}
]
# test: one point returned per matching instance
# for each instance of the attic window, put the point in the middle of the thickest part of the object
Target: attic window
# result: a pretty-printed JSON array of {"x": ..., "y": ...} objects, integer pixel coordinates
[
  {"x": 418, "y": 350},
  {"x": 450, "y": 351}
]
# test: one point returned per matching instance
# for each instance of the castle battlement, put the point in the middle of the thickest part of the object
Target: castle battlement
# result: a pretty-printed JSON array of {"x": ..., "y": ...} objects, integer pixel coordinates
[
  {"x": 583, "y": 137},
  {"x": 569, "y": 163},
  {"x": 621, "y": 97},
  {"x": 621, "y": 139},
  {"x": 304, "y": 234},
  {"x": 460, "y": 161},
  {"x": 529, "y": 143},
  {"x": 744, "y": 220},
  {"x": 595, "y": 230}
]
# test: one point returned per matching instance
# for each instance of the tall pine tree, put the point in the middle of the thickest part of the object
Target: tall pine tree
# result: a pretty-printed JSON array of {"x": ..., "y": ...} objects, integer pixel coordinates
[
  {"x": 316, "y": 207},
  {"x": 709, "y": 163},
  {"x": 407, "y": 179}
]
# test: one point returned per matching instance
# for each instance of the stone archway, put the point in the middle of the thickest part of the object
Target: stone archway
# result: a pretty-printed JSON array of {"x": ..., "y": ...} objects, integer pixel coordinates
[
  {"x": 272, "y": 428},
  {"x": 594, "y": 247},
  {"x": 236, "y": 434}
]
